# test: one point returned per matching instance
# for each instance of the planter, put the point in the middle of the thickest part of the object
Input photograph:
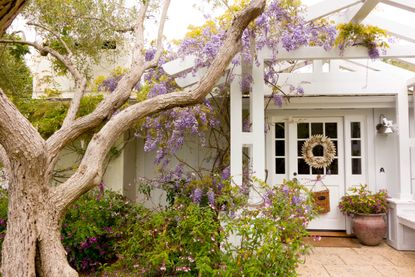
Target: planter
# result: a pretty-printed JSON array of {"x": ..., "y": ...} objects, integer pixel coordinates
[{"x": 370, "y": 229}]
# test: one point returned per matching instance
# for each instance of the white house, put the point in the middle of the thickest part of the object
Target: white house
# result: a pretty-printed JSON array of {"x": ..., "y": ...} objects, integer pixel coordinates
[{"x": 346, "y": 97}]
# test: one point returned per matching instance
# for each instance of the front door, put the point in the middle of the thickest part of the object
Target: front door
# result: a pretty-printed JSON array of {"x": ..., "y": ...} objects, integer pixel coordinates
[{"x": 291, "y": 163}]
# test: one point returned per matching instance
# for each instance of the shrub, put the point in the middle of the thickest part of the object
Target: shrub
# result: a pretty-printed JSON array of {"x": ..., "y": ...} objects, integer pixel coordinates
[
  {"x": 93, "y": 226},
  {"x": 271, "y": 236},
  {"x": 196, "y": 236},
  {"x": 363, "y": 201}
]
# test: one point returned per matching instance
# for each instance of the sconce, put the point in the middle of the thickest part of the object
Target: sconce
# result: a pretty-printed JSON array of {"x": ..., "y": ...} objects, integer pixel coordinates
[{"x": 385, "y": 126}]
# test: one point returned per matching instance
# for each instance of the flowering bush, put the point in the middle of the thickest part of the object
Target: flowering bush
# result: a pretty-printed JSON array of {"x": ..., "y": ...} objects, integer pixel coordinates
[
  {"x": 195, "y": 235},
  {"x": 93, "y": 225},
  {"x": 363, "y": 201},
  {"x": 271, "y": 236}
]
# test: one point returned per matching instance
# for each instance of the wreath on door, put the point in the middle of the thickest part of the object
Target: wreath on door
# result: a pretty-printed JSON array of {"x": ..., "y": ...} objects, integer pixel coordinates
[{"x": 329, "y": 151}]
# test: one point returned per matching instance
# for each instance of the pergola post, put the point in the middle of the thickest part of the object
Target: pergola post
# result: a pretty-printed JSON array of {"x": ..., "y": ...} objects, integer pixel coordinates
[
  {"x": 236, "y": 126},
  {"x": 254, "y": 139},
  {"x": 402, "y": 117}
]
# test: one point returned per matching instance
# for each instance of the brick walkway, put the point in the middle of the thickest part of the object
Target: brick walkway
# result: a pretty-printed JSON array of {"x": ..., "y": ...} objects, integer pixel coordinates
[{"x": 367, "y": 261}]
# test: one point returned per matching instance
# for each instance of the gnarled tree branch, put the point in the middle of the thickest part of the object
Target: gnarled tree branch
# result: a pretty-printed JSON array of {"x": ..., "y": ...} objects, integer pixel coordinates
[
  {"x": 18, "y": 137},
  {"x": 9, "y": 9},
  {"x": 159, "y": 43},
  {"x": 89, "y": 172},
  {"x": 111, "y": 102}
]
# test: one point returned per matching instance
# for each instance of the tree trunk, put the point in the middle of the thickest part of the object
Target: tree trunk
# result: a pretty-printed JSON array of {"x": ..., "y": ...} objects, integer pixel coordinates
[{"x": 32, "y": 246}]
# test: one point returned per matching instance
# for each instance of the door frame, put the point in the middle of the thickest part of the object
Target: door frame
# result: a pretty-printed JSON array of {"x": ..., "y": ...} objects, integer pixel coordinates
[{"x": 364, "y": 116}]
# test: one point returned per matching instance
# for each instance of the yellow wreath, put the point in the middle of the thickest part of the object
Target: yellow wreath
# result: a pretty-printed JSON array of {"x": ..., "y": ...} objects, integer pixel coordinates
[{"x": 329, "y": 151}]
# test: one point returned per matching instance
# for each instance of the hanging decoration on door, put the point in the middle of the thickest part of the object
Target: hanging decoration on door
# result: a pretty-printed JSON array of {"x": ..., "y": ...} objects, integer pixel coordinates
[{"x": 329, "y": 151}]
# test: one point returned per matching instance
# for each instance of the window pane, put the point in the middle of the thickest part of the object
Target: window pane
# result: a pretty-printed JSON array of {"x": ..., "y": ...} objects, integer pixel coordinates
[
  {"x": 300, "y": 147},
  {"x": 317, "y": 170},
  {"x": 303, "y": 130},
  {"x": 318, "y": 151},
  {"x": 316, "y": 128},
  {"x": 333, "y": 168},
  {"x": 279, "y": 166},
  {"x": 279, "y": 148},
  {"x": 336, "y": 146},
  {"x": 355, "y": 127},
  {"x": 280, "y": 130},
  {"x": 356, "y": 166},
  {"x": 331, "y": 130},
  {"x": 356, "y": 148},
  {"x": 303, "y": 168}
]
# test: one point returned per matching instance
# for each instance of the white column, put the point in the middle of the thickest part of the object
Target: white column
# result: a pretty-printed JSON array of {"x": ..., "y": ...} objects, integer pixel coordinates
[
  {"x": 402, "y": 117},
  {"x": 258, "y": 124},
  {"x": 317, "y": 66},
  {"x": 236, "y": 126},
  {"x": 258, "y": 119}
]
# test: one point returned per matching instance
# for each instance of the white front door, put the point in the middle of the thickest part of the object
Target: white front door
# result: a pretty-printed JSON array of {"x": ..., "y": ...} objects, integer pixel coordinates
[{"x": 288, "y": 140}]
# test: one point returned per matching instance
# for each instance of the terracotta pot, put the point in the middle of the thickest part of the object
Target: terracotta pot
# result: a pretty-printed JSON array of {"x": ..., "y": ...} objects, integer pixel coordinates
[{"x": 370, "y": 229}]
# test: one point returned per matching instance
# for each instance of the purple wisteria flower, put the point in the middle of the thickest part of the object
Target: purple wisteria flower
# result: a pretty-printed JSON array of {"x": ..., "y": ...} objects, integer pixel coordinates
[
  {"x": 211, "y": 197},
  {"x": 197, "y": 195}
]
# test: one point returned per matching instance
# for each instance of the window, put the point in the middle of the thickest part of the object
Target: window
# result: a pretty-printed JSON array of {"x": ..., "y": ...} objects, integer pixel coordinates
[
  {"x": 280, "y": 149},
  {"x": 356, "y": 148},
  {"x": 304, "y": 132}
]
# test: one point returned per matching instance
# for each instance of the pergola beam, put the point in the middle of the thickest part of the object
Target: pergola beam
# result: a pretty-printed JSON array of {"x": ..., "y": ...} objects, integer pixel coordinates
[
  {"x": 364, "y": 11},
  {"x": 340, "y": 83},
  {"x": 398, "y": 30},
  {"x": 318, "y": 53},
  {"x": 408, "y": 5},
  {"x": 327, "y": 7}
]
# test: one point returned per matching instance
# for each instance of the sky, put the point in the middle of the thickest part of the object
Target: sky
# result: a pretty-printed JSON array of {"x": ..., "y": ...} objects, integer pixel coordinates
[{"x": 183, "y": 13}]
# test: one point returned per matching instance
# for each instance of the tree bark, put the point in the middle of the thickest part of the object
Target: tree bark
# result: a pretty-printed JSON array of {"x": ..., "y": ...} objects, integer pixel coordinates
[
  {"x": 32, "y": 245},
  {"x": 9, "y": 9}
]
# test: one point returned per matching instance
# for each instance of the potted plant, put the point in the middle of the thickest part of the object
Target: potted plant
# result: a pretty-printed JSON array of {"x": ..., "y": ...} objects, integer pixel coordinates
[{"x": 368, "y": 211}]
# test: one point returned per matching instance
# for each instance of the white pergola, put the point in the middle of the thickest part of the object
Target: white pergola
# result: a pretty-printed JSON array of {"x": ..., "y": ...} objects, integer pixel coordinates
[{"x": 349, "y": 74}]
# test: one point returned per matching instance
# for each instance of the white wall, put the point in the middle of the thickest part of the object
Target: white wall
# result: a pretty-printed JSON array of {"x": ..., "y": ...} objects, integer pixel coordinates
[
  {"x": 386, "y": 155},
  {"x": 192, "y": 153}
]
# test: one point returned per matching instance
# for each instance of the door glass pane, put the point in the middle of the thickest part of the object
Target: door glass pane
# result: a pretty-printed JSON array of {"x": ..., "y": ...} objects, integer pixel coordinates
[
  {"x": 280, "y": 130},
  {"x": 333, "y": 168},
  {"x": 318, "y": 151},
  {"x": 303, "y": 167},
  {"x": 356, "y": 166},
  {"x": 331, "y": 130},
  {"x": 317, "y": 170},
  {"x": 316, "y": 128},
  {"x": 300, "y": 147},
  {"x": 356, "y": 148},
  {"x": 279, "y": 148},
  {"x": 335, "y": 145},
  {"x": 279, "y": 166},
  {"x": 355, "y": 127},
  {"x": 303, "y": 130}
]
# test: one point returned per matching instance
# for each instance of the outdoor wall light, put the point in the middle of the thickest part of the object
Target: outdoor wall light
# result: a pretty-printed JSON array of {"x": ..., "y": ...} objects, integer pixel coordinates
[{"x": 385, "y": 126}]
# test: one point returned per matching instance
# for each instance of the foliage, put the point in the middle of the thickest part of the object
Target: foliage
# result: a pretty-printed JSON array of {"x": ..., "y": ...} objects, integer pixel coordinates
[
  {"x": 86, "y": 27},
  {"x": 93, "y": 225},
  {"x": 354, "y": 34},
  {"x": 197, "y": 238},
  {"x": 179, "y": 239},
  {"x": 3, "y": 214},
  {"x": 363, "y": 201},
  {"x": 271, "y": 237},
  {"x": 47, "y": 115},
  {"x": 15, "y": 77}
]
